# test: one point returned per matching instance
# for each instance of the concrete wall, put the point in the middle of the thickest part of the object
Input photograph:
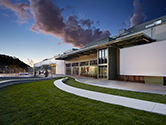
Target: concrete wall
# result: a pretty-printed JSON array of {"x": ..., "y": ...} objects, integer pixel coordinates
[
  {"x": 144, "y": 60},
  {"x": 60, "y": 67},
  {"x": 158, "y": 32}
]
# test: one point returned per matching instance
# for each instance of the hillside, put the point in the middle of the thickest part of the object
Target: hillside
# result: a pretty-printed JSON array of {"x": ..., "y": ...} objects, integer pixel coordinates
[{"x": 9, "y": 64}]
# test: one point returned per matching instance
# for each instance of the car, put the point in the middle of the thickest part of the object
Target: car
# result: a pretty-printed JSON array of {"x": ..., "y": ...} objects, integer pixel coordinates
[{"x": 23, "y": 73}]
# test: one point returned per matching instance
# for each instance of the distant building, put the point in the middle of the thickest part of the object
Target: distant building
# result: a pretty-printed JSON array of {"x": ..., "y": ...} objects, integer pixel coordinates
[{"x": 135, "y": 54}]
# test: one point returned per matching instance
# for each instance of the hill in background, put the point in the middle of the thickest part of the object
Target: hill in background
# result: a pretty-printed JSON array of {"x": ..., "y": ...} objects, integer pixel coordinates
[{"x": 9, "y": 64}]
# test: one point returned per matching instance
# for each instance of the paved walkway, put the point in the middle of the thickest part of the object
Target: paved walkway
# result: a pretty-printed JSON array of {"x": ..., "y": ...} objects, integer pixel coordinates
[
  {"x": 132, "y": 86},
  {"x": 112, "y": 99},
  {"x": 10, "y": 81}
]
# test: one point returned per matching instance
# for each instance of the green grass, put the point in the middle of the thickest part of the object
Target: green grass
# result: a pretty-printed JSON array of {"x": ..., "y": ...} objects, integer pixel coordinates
[
  {"x": 131, "y": 94},
  {"x": 42, "y": 103}
]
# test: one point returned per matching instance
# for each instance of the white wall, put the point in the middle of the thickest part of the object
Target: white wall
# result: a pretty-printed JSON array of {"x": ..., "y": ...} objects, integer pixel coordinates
[
  {"x": 144, "y": 60},
  {"x": 60, "y": 66}
]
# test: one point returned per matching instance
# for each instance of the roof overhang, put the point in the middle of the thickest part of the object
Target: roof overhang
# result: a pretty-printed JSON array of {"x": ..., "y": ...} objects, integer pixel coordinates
[
  {"x": 132, "y": 40},
  {"x": 121, "y": 42}
]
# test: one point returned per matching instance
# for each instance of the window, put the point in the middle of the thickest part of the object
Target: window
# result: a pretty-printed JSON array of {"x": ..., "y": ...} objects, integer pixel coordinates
[
  {"x": 103, "y": 72},
  {"x": 84, "y": 63},
  {"x": 93, "y": 62},
  {"x": 68, "y": 65},
  {"x": 68, "y": 69},
  {"x": 74, "y": 64},
  {"x": 103, "y": 53}
]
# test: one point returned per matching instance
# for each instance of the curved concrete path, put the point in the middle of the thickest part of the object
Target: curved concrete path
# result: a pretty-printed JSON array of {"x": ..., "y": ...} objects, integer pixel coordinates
[{"x": 112, "y": 99}]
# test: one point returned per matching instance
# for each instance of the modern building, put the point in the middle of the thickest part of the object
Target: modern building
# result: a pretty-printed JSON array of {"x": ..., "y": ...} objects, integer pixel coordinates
[
  {"x": 136, "y": 54},
  {"x": 57, "y": 65}
]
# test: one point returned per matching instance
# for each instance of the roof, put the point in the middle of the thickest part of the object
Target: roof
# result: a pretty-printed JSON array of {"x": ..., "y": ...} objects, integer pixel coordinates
[
  {"x": 126, "y": 41},
  {"x": 125, "y": 38}
]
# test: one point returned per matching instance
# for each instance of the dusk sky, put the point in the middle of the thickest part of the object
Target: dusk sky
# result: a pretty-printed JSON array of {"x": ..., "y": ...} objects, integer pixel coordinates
[{"x": 39, "y": 29}]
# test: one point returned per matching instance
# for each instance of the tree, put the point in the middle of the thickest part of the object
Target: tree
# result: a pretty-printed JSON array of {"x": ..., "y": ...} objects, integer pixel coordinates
[
  {"x": 30, "y": 62},
  {"x": 46, "y": 68}
]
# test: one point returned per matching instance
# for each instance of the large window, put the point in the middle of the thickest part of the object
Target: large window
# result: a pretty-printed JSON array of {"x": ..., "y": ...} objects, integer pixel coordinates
[
  {"x": 68, "y": 69},
  {"x": 75, "y": 68},
  {"x": 103, "y": 53},
  {"x": 103, "y": 72}
]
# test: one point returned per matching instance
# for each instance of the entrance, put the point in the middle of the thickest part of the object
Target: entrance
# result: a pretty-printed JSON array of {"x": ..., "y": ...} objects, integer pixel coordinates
[{"x": 103, "y": 72}]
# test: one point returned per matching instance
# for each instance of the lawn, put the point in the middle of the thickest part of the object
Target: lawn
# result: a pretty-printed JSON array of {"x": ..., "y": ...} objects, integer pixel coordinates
[
  {"x": 137, "y": 95},
  {"x": 42, "y": 103}
]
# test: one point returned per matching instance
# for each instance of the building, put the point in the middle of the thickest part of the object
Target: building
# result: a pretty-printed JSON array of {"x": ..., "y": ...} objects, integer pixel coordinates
[
  {"x": 136, "y": 54},
  {"x": 57, "y": 65}
]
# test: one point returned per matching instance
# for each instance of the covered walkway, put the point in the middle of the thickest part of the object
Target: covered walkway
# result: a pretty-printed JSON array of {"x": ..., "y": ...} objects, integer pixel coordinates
[{"x": 132, "y": 86}]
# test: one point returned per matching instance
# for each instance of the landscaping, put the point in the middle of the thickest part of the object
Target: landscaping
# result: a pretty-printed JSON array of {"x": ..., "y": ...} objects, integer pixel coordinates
[
  {"x": 42, "y": 103},
  {"x": 137, "y": 95}
]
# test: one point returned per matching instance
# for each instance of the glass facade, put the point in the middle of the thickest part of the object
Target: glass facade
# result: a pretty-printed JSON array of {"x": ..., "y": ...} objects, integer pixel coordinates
[
  {"x": 84, "y": 63},
  {"x": 68, "y": 69},
  {"x": 84, "y": 71},
  {"x": 75, "y": 68},
  {"x": 102, "y": 60},
  {"x": 53, "y": 71},
  {"x": 94, "y": 62},
  {"x": 103, "y": 53},
  {"x": 103, "y": 72},
  {"x": 93, "y": 71}
]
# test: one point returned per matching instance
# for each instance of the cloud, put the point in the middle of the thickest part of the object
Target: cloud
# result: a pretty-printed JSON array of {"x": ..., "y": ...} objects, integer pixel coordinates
[
  {"x": 138, "y": 16},
  {"x": 48, "y": 17},
  {"x": 5, "y": 14},
  {"x": 33, "y": 29},
  {"x": 98, "y": 23},
  {"x": 126, "y": 23},
  {"x": 68, "y": 7},
  {"x": 77, "y": 36},
  {"x": 49, "y": 20},
  {"x": 20, "y": 9},
  {"x": 59, "y": 43},
  {"x": 86, "y": 22}
]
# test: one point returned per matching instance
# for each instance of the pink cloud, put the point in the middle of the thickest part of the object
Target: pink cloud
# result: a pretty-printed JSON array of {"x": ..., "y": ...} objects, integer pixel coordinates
[
  {"x": 49, "y": 20},
  {"x": 19, "y": 9},
  {"x": 59, "y": 43},
  {"x": 5, "y": 14},
  {"x": 138, "y": 16}
]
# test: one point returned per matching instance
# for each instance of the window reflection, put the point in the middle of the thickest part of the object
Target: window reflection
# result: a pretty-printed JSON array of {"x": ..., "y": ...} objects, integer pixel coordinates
[{"x": 103, "y": 53}]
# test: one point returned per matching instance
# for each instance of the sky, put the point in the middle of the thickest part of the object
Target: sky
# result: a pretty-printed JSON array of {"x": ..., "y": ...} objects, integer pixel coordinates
[{"x": 40, "y": 29}]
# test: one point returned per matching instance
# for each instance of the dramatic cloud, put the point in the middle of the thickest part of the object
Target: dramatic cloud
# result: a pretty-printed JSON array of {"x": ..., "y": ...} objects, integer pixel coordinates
[
  {"x": 20, "y": 9},
  {"x": 48, "y": 17},
  {"x": 79, "y": 36},
  {"x": 86, "y": 22},
  {"x": 49, "y": 20},
  {"x": 138, "y": 16}
]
